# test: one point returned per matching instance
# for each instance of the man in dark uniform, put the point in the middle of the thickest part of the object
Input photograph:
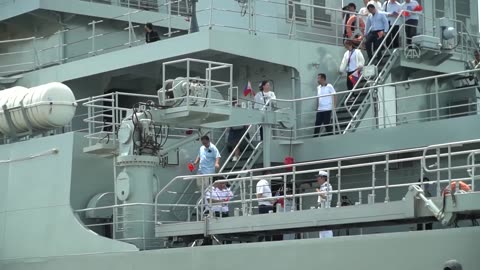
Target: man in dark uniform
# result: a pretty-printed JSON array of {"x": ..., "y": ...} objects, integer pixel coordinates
[{"x": 150, "y": 34}]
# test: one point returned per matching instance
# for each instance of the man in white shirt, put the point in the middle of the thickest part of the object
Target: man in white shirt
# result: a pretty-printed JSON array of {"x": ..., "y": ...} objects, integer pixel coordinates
[
  {"x": 264, "y": 194},
  {"x": 326, "y": 103},
  {"x": 352, "y": 62},
  {"x": 411, "y": 21},
  {"x": 208, "y": 159},
  {"x": 393, "y": 10},
  {"x": 324, "y": 197},
  {"x": 215, "y": 198}
]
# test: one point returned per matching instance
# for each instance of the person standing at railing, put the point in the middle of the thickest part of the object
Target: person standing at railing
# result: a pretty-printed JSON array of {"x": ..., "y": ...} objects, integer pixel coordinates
[
  {"x": 264, "y": 196},
  {"x": 216, "y": 198},
  {"x": 324, "y": 197},
  {"x": 326, "y": 103},
  {"x": 208, "y": 158},
  {"x": 264, "y": 99},
  {"x": 352, "y": 64},
  {"x": 377, "y": 27},
  {"x": 265, "y": 200},
  {"x": 393, "y": 10},
  {"x": 411, "y": 19},
  {"x": 150, "y": 34}
]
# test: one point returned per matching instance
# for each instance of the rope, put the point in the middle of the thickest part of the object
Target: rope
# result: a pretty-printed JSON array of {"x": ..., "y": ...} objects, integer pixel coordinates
[{"x": 46, "y": 153}]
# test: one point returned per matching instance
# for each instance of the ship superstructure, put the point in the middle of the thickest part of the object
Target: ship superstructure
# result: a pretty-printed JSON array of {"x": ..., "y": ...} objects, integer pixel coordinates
[{"x": 112, "y": 187}]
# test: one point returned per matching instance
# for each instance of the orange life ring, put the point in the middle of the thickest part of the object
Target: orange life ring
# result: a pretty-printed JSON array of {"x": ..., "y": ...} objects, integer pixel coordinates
[
  {"x": 351, "y": 27},
  {"x": 453, "y": 186}
]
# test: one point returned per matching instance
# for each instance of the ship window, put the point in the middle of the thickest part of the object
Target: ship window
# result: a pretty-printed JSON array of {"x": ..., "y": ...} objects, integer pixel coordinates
[
  {"x": 320, "y": 16},
  {"x": 300, "y": 12},
  {"x": 180, "y": 7},
  {"x": 462, "y": 8},
  {"x": 439, "y": 8}
]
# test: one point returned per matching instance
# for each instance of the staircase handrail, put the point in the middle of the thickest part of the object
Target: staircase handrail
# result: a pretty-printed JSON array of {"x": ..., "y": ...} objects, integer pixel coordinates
[
  {"x": 470, "y": 37},
  {"x": 344, "y": 97},
  {"x": 367, "y": 97},
  {"x": 241, "y": 139},
  {"x": 233, "y": 187},
  {"x": 249, "y": 142},
  {"x": 371, "y": 61}
]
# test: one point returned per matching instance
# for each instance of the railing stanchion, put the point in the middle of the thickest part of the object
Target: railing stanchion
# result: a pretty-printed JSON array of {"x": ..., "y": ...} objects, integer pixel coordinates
[
  {"x": 387, "y": 178},
  {"x": 339, "y": 188}
]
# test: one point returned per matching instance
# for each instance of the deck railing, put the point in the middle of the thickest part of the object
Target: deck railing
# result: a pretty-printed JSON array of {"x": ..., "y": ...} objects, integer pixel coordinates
[{"x": 364, "y": 179}]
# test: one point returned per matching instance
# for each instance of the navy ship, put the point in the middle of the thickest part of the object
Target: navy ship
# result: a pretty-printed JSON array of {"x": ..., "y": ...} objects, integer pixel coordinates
[{"x": 228, "y": 134}]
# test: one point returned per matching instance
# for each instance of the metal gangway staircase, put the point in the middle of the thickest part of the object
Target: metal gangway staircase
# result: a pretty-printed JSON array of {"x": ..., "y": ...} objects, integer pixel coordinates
[
  {"x": 364, "y": 96},
  {"x": 251, "y": 151},
  {"x": 357, "y": 102}
]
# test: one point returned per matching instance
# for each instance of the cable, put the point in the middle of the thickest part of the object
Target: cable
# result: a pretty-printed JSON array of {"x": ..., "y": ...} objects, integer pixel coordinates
[
  {"x": 53, "y": 151},
  {"x": 166, "y": 137}
]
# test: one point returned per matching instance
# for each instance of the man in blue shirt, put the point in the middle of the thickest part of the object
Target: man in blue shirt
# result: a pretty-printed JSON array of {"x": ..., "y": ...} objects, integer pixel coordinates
[
  {"x": 376, "y": 28},
  {"x": 208, "y": 157}
]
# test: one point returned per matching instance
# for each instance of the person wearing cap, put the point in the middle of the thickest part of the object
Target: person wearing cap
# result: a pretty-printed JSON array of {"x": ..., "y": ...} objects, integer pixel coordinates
[{"x": 324, "y": 197}]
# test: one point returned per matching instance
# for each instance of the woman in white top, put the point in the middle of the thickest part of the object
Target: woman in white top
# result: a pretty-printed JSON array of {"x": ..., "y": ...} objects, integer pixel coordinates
[
  {"x": 352, "y": 62},
  {"x": 264, "y": 97}
]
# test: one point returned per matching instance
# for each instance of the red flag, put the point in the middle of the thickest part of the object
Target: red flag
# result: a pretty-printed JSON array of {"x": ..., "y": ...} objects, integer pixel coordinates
[
  {"x": 406, "y": 13},
  {"x": 289, "y": 161},
  {"x": 248, "y": 90},
  {"x": 191, "y": 167},
  {"x": 354, "y": 77}
]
